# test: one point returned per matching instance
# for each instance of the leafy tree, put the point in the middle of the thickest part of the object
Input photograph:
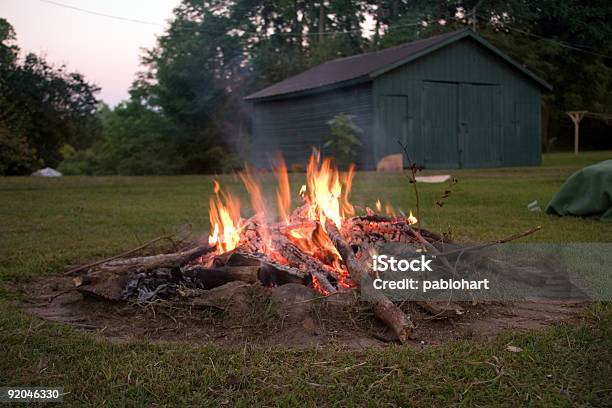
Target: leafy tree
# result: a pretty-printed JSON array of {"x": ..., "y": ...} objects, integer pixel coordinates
[
  {"x": 189, "y": 76},
  {"x": 41, "y": 106},
  {"x": 344, "y": 139},
  {"x": 16, "y": 157},
  {"x": 135, "y": 141}
]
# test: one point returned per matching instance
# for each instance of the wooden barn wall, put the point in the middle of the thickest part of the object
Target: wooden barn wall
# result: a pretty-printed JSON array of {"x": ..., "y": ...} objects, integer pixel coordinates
[
  {"x": 295, "y": 125},
  {"x": 456, "y": 91}
]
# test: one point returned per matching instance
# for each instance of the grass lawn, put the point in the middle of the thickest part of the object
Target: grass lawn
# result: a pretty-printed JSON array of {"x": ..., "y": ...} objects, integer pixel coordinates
[{"x": 48, "y": 223}]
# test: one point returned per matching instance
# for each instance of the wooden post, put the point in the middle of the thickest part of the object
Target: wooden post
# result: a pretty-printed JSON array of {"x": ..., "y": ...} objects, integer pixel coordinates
[{"x": 576, "y": 118}]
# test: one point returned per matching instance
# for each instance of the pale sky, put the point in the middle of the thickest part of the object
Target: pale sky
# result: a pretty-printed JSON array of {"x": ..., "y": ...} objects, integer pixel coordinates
[{"x": 105, "y": 50}]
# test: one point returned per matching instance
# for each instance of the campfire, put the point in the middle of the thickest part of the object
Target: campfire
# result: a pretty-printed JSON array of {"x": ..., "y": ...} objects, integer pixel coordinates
[{"x": 321, "y": 243}]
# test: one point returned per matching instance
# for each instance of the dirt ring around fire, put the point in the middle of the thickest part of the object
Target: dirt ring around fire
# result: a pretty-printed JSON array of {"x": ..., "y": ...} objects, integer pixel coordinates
[{"x": 290, "y": 315}]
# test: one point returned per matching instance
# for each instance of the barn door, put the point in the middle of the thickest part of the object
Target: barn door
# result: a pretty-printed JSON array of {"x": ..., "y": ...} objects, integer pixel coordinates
[
  {"x": 397, "y": 124},
  {"x": 440, "y": 124},
  {"x": 480, "y": 134}
]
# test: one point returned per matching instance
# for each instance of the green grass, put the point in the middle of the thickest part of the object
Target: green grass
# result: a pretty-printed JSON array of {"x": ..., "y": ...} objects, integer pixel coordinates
[{"x": 48, "y": 223}]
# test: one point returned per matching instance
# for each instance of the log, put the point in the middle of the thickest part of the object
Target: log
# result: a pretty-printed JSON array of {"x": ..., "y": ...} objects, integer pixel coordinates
[
  {"x": 270, "y": 272},
  {"x": 172, "y": 260},
  {"x": 326, "y": 286},
  {"x": 208, "y": 278},
  {"x": 383, "y": 308},
  {"x": 399, "y": 224},
  {"x": 296, "y": 256},
  {"x": 274, "y": 274},
  {"x": 86, "y": 267}
]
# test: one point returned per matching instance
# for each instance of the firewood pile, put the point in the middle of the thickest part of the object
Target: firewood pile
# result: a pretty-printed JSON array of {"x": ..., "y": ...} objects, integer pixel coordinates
[{"x": 320, "y": 244}]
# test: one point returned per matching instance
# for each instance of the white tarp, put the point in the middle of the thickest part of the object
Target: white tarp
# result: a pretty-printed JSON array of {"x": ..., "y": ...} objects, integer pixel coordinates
[
  {"x": 47, "y": 172},
  {"x": 433, "y": 179}
]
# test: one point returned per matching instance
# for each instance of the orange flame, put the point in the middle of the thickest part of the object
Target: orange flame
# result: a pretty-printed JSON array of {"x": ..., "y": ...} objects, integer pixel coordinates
[
  {"x": 324, "y": 197},
  {"x": 412, "y": 219},
  {"x": 259, "y": 207},
  {"x": 257, "y": 201},
  {"x": 325, "y": 191},
  {"x": 389, "y": 210},
  {"x": 347, "y": 208},
  {"x": 225, "y": 220},
  {"x": 283, "y": 193},
  {"x": 378, "y": 206}
]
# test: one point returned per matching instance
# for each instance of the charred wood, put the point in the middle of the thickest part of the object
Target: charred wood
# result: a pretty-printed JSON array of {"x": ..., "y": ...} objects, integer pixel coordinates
[{"x": 383, "y": 308}]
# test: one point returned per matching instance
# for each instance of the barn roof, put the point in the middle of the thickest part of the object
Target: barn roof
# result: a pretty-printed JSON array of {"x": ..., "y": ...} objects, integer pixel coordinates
[{"x": 363, "y": 67}]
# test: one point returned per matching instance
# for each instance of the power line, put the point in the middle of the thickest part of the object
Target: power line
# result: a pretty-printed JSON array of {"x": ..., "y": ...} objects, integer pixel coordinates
[
  {"x": 551, "y": 40},
  {"x": 133, "y": 20},
  {"x": 96, "y": 13}
]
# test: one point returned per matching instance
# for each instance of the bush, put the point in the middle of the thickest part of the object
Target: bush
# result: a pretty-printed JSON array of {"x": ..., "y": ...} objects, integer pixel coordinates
[
  {"x": 16, "y": 157},
  {"x": 344, "y": 139}
]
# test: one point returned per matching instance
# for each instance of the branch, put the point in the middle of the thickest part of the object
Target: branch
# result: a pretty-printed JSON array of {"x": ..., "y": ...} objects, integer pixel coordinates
[
  {"x": 491, "y": 243},
  {"x": 85, "y": 267}
]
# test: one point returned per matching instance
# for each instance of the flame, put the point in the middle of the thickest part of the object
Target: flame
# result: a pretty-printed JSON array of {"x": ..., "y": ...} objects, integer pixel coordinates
[
  {"x": 347, "y": 208},
  {"x": 378, "y": 205},
  {"x": 389, "y": 210},
  {"x": 317, "y": 286},
  {"x": 257, "y": 201},
  {"x": 325, "y": 191},
  {"x": 325, "y": 196},
  {"x": 225, "y": 220},
  {"x": 412, "y": 219},
  {"x": 283, "y": 193},
  {"x": 259, "y": 207}
]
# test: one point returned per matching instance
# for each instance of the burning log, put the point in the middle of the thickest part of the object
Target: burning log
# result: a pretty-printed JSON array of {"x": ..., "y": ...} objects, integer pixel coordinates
[
  {"x": 314, "y": 266},
  {"x": 270, "y": 272},
  {"x": 375, "y": 228},
  {"x": 383, "y": 308},
  {"x": 208, "y": 278}
]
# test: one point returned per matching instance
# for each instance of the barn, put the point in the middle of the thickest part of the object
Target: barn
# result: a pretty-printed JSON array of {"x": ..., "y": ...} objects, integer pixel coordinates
[{"x": 454, "y": 99}]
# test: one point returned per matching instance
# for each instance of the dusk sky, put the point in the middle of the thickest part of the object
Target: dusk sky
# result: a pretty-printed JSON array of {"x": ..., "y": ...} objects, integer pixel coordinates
[{"x": 105, "y": 50}]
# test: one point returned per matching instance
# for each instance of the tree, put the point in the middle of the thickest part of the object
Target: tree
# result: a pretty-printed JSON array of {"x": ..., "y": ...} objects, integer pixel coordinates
[
  {"x": 42, "y": 106},
  {"x": 135, "y": 141},
  {"x": 344, "y": 139}
]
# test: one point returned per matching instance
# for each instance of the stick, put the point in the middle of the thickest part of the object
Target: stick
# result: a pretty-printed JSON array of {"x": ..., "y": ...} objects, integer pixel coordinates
[
  {"x": 412, "y": 166},
  {"x": 383, "y": 308},
  {"x": 156, "y": 261},
  {"x": 121, "y": 255},
  {"x": 293, "y": 254},
  {"x": 325, "y": 284},
  {"x": 491, "y": 243}
]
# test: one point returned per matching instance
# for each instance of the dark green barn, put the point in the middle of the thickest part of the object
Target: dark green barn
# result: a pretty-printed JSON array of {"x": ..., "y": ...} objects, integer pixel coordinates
[{"x": 454, "y": 99}]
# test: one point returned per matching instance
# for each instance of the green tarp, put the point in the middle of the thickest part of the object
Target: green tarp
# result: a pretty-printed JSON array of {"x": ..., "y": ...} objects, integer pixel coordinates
[{"x": 588, "y": 192}]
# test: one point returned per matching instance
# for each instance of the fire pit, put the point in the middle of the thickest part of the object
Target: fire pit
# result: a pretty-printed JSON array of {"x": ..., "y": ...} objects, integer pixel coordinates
[{"x": 321, "y": 246}]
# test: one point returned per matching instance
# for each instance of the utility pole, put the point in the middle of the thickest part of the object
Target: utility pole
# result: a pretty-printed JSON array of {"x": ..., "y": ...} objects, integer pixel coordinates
[
  {"x": 321, "y": 20},
  {"x": 576, "y": 118},
  {"x": 474, "y": 15}
]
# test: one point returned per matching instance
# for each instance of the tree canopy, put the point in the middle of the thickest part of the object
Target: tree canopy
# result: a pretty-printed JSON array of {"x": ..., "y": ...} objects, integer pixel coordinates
[
  {"x": 186, "y": 112},
  {"x": 42, "y": 108}
]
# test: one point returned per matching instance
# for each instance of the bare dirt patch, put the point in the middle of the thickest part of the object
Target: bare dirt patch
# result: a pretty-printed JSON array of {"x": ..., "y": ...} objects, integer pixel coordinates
[{"x": 290, "y": 315}]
